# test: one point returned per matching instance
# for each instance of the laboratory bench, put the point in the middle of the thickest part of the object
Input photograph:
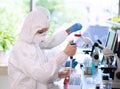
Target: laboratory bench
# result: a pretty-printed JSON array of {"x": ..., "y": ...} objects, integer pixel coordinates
[
  {"x": 4, "y": 76},
  {"x": 3, "y": 69},
  {"x": 90, "y": 82}
]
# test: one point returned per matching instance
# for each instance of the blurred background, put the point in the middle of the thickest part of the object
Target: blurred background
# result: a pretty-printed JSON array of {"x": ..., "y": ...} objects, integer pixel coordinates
[{"x": 91, "y": 14}]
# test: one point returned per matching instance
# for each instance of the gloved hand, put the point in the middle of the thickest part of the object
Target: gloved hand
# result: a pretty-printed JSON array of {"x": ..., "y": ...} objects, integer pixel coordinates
[
  {"x": 74, "y": 63},
  {"x": 64, "y": 73},
  {"x": 75, "y": 27}
]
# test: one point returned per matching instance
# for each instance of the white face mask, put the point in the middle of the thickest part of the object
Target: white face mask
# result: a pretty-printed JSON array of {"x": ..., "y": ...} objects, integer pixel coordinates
[{"x": 38, "y": 38}]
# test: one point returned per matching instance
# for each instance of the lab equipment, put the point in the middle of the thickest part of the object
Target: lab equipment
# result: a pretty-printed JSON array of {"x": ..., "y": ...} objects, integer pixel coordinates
[
  {"x": 75, "y": 27},
  {"x": 72, "y": 60},
  {"x": 72, "y": 81},
  {"x": 93, "y": 59},
  {"x": 112, "y": 41},
  {"x": 66, "y": 82},
  {"x": 108, "y": 51},
  {"x": 87, "y": 41},
  {"x": 118, "y": 52},
  {"x": 74, "y": 63},
  {"x": 88, "y": 65},
  {"x": 75, "y": 81},
  {"x": 110, "y": 63},
  {"x": 105, "y": 85}
]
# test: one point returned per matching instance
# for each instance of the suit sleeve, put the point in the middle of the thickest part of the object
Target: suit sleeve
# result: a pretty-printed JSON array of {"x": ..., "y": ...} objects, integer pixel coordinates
[{"x": 57, "y": 39}]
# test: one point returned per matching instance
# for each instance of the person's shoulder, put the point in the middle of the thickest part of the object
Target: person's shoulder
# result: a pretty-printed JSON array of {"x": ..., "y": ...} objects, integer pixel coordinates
[{"x": 24, "y": 48}]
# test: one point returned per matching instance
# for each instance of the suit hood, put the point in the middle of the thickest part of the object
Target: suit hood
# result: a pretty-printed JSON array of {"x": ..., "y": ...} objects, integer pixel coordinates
[{"x": 35, "y": 20}]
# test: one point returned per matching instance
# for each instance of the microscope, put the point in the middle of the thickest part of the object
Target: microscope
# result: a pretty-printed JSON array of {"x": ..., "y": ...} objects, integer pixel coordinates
[
  {"x": 110, "y": 63},
  {"x": 92, "y": 56}
]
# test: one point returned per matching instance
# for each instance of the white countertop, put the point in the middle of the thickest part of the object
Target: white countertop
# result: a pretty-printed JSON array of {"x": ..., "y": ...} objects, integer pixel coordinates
[{"x": 3, "y": 69}]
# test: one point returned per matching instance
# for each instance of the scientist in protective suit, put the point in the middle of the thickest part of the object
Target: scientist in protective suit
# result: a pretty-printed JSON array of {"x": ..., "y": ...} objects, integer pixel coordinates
[{"x": 28, "y": 65}]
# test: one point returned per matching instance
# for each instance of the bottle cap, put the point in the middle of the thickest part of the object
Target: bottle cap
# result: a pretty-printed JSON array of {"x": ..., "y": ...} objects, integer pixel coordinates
[{"x": 77, "y": 35}]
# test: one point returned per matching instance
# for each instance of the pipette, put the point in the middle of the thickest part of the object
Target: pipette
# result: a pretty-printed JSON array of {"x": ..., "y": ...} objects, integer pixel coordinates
[{"x": 71, "y": 57}]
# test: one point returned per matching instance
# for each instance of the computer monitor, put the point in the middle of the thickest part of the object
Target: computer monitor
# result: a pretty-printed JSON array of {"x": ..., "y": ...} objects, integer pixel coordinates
[
  {"x": 118, "y": 32},
  {"x": 112, "y": 41},
  {"x": 118, "y": 51}
]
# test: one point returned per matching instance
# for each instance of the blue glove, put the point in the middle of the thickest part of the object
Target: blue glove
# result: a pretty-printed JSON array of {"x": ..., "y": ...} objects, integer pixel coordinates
[
  {"x": 75, "y": 27},
  {"x": 74, "y": 63}
]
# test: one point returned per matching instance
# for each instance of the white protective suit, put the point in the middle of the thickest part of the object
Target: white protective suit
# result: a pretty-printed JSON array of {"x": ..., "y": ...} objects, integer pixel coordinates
[{"x": 28, "y": 65}]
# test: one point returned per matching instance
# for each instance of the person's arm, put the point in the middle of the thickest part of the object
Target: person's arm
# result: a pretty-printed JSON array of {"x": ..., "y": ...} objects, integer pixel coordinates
[
  {"x": 55, "y": 40},
  {"x": 40, "y": 72},
  {"x": 59, "y": 37},
  {"x": 26, "y": 60}
]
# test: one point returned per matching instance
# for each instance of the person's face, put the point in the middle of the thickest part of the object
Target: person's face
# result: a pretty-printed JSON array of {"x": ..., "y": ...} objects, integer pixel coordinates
[
  {"x": 40, "y": 35},
  {"x": 43, "y": 30}
]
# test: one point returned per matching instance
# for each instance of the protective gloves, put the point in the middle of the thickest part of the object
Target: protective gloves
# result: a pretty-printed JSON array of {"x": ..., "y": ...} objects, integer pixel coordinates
[
  {"x": 75, "y": 27},
  {"x": 74, "y": 63}
]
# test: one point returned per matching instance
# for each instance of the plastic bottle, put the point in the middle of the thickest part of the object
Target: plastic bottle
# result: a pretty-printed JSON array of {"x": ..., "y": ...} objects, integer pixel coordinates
[
  {"x": 66, "y": 82},
  {"x": 88, "y": 65}
]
